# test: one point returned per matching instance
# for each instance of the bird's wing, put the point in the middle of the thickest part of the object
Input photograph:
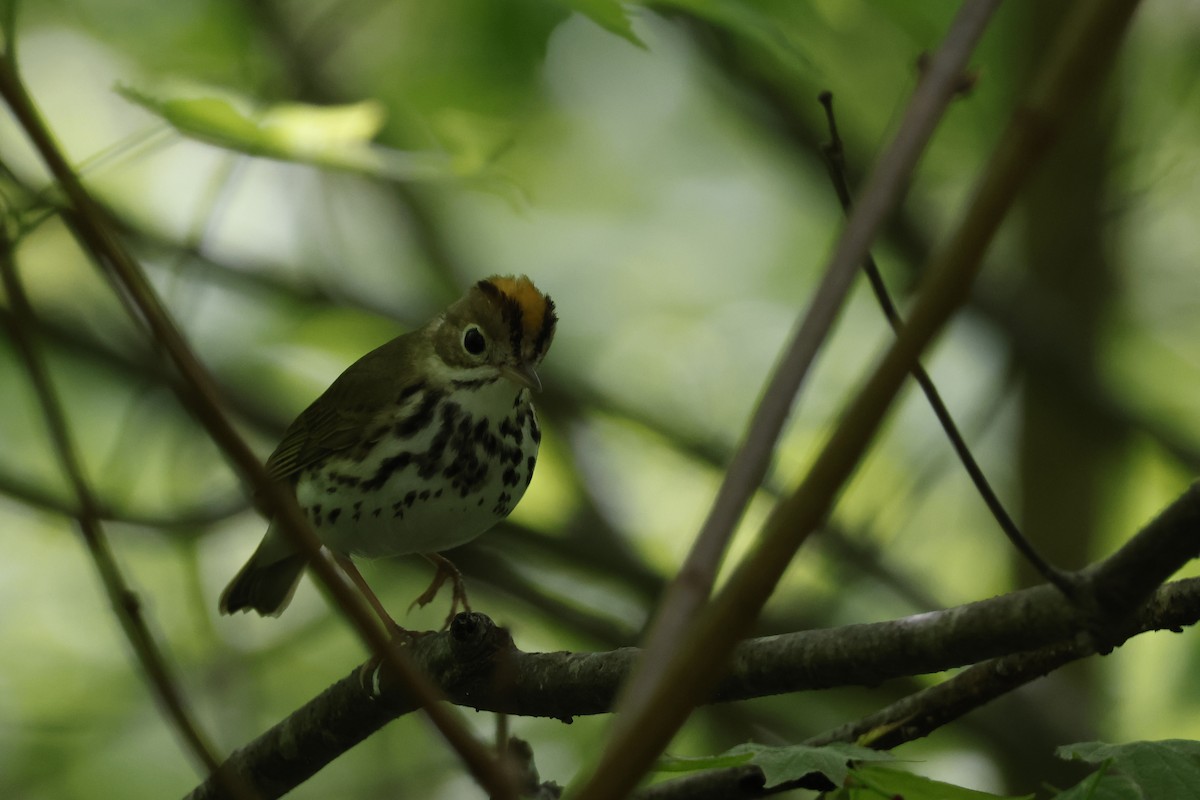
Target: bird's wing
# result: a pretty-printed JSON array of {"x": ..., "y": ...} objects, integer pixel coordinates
[
  {"x": 316, "y": 434},
  {"x": 339, "y": 419}
]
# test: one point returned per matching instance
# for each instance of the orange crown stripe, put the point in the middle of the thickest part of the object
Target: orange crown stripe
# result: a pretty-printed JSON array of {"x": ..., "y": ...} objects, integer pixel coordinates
[{"x": 527, "y": 296}]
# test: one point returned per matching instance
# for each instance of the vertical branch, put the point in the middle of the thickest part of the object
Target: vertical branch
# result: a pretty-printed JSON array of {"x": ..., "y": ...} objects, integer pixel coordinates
[
  {"x": 1075, "y": 64},
  {"x": 8, "y": 19},
  {"x": 1065, "y": 449}
]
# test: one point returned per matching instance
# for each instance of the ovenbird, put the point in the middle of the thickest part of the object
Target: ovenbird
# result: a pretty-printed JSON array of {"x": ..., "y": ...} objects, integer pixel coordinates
[{"x": 419, "y": 446}]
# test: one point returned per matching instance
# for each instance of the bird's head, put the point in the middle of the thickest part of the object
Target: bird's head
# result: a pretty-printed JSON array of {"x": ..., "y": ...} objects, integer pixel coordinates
[{"x": 502, "y": 327}]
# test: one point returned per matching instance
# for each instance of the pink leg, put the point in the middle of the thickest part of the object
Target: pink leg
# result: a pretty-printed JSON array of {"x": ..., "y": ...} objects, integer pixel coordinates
[
  {"x": 445, "y": 571},
  {"x": 358, "y": 580}
]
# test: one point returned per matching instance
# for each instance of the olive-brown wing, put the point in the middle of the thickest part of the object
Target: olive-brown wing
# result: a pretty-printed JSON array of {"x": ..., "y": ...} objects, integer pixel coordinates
[{"x": 341, "y": 417}]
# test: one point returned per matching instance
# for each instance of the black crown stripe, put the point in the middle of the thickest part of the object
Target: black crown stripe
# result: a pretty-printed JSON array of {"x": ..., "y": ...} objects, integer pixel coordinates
[
  {"x": 549, "y": 322},
  {"x": 510, "y": 310}
]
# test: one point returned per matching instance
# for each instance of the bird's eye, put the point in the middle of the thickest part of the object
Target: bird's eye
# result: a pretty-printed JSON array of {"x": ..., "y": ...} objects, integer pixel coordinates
[{"x": 473, "y": 341}]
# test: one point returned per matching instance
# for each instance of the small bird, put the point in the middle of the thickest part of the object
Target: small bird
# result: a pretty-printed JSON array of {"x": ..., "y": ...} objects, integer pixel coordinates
[{"x": 419, "y": 446}]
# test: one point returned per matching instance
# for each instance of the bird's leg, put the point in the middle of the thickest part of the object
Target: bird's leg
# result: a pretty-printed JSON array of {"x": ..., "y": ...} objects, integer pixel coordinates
[
  {"x": 445, "y": 571},
  {"x": 358, "y": 580}
]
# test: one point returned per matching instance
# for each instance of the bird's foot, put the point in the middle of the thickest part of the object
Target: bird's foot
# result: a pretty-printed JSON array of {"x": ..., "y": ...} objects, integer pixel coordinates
[{"x": 446, "y": 571}]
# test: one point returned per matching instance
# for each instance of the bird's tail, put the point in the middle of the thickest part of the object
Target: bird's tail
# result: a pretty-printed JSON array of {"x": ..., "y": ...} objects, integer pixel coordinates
[{"x": 267, "y": 582}]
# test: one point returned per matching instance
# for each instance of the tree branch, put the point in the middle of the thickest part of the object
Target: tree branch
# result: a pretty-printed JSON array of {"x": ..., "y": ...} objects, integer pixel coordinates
[
  {"x": 476, "y": 665},
  {"x": 1027, "y": 633},
  {"x": 691, "y": 588},
  {"x": 925, "y": 711},
  {"x": 1074, "y": 65},
  {"x": 123, "y": 600},
  {"x": 198, "y": 391},
  {"x": 835, "y": 159}
]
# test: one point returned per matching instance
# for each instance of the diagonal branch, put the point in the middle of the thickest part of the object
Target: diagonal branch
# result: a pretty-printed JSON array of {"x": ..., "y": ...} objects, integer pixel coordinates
[
  {"x": 690, "y": 590},
  {"x": 1075, "y": 65},
  {"x": 197, "y": 390}
]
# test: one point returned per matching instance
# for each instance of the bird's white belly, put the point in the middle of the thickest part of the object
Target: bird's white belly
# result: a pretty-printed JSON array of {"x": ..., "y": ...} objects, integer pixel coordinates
[{"x": 435, "y": 489}]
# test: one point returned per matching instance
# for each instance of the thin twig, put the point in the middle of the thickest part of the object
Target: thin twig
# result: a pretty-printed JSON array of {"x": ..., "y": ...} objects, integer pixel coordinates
[
  {"x": 1075, "y": 63},
  {"x": 124, "y": 601},
  {"x": 925, "y": 711},
  {"x": 835, "y": 160},
  {"x": 691, "y": 588},
  {"x": 89, "y": 222}
]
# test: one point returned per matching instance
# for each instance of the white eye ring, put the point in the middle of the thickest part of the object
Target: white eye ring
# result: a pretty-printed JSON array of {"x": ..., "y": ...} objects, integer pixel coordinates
[{"x": 474, "y": 341}]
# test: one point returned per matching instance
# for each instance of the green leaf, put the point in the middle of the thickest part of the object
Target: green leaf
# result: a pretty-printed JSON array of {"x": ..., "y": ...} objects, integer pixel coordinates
[
  {"x": 873, "y": 782},
  {"x": 753, "y": 23},
  {"x": 696, "y": 764},
  {"x": 1162, "y": 770},
  {"x": 608, "y": 14},
  {"x": 333, "y": 137},
  {"x": 782, "y": 764},
  {"x": 1103, "y": 785}
]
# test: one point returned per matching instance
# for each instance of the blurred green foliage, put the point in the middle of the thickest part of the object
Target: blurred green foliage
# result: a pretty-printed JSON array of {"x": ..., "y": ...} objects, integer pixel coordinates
[{"x": 656, "y": 168}]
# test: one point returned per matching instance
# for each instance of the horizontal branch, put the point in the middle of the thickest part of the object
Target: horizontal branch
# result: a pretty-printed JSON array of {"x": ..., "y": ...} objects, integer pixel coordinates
[
  {"x": 476, "y": 664},
  {"x": 923, "y": 712}
]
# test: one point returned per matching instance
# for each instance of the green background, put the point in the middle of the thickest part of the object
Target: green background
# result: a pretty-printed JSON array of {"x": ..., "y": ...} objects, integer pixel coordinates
[{"x": 663, "y": 183}]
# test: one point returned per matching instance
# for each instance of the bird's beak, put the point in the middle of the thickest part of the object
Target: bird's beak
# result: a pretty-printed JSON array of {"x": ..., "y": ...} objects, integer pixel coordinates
[{"x": 523, "y": 375}]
